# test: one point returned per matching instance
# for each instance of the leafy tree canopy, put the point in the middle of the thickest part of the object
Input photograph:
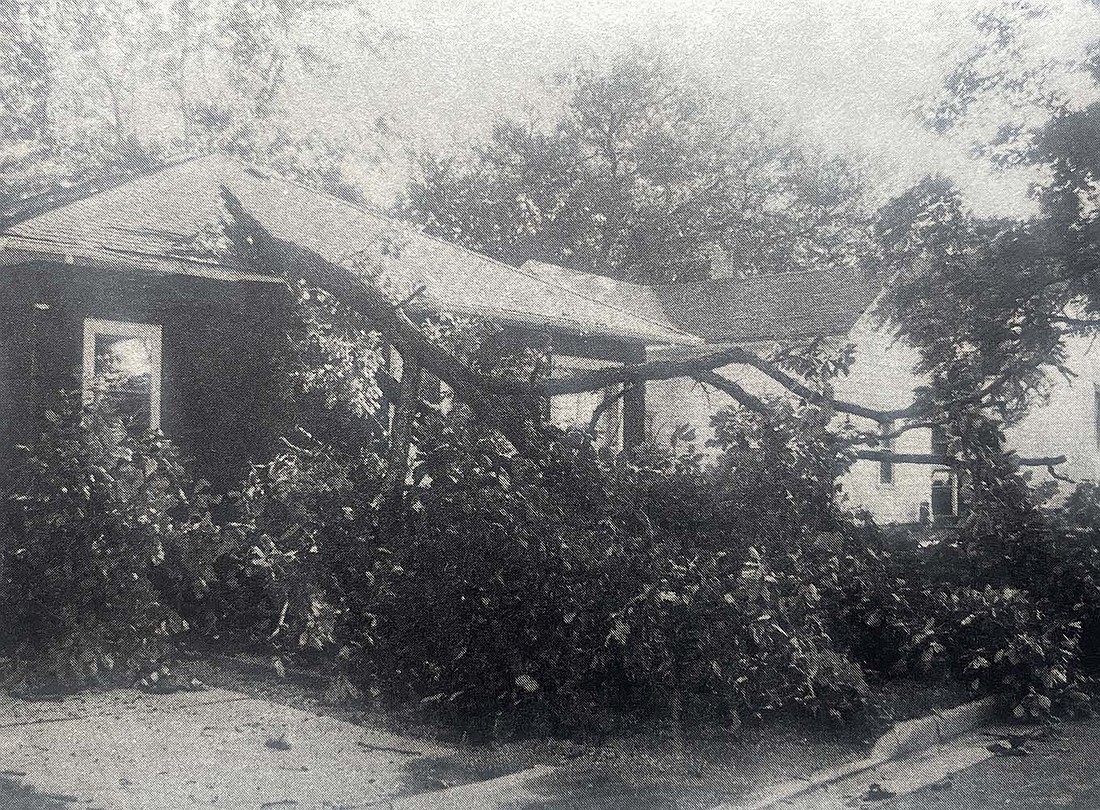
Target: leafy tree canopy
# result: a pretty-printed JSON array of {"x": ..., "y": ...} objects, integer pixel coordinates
[
  {"x": 95, "y": 87},
  {"x": 642, "y": 175}
]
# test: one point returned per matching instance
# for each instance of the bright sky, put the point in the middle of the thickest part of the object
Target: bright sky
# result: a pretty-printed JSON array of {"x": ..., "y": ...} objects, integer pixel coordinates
[{"x": 846, "y": 72}]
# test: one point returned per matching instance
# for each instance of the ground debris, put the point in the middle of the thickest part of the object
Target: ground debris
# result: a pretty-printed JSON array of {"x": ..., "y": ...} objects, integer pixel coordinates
[
  {"x": 876, "y": 793},
  {"x": 279, "y": 743},
  {"x": 385, "y": 749}
]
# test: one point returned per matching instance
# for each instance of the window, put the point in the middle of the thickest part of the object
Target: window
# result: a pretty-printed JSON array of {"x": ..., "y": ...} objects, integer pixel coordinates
[
  {"x": 945, "y": 482},
  {"x": 886, "y": 444},
  {"x": 122, "y": 370},
  {"x": 1096, "y": 411},
  {"x": 945, "y": 495}
]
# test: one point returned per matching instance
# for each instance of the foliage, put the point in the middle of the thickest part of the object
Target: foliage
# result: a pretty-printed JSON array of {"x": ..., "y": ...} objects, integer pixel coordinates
[
  {"x": 112, "y": 87},
  {"x": 642, "y": 176},
  {"x": 1001, "y": 641},
  {"x": 295, "y": 550},
  {"x": 102, "y": 538},
  {"x": 565, "y": 591}
]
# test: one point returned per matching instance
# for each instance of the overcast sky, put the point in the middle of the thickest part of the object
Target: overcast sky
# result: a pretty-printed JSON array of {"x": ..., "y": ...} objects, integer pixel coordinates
[{"x": 846, "y": 72}]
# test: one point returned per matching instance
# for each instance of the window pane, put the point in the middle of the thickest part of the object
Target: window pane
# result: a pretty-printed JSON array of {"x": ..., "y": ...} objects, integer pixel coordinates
[{"x": 122, "y": 378}]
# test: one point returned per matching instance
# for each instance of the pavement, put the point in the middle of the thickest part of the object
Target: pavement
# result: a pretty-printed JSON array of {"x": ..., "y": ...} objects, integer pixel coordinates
[
  {"x": 128, "y": 750},
  {"x": 1062, "y": 771}
]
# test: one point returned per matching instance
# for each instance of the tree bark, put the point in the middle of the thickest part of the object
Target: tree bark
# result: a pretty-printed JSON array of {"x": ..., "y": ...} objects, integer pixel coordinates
[
  {"x": 932, "y": 458},
  {"x": 401, "y": 428}
]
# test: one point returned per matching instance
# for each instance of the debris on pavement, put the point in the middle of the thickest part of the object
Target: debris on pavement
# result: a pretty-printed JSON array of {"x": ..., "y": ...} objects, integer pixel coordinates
[
  {"x": 279, "y": 743},
  {"x": 876, "y": 793},
  {"x": 942, "y": 785},
  {"x": 405, "y": 752}
]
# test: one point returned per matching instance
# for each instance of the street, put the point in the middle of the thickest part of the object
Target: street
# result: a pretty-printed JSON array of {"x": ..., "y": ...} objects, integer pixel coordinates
[{"x": 1062, "y": 771}]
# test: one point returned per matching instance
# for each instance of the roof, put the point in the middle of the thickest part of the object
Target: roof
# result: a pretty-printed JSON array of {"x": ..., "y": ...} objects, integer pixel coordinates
[
  {"x": 166, "y": 221},
  {"x": 776, "y": 306},
  {"x": 780, "y": 306}
]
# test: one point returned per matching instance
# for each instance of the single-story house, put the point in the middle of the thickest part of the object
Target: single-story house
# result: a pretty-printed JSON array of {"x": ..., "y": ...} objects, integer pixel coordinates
[{"x": 134, "y": 286}]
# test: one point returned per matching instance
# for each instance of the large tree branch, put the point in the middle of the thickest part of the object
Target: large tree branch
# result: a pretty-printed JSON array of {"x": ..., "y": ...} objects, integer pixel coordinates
[
  {"x": 943, "y": 461},
  {"x": 513, "y": 406},
  {"x": 733, "y": 390},
  {"x": 518, "y": 424},
  {"x": 700, "y": 368}
]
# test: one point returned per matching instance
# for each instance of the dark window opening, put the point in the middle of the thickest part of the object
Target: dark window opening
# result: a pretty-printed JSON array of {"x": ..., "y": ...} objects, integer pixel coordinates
[
  {"x": 945, "y": 482},
  {"x": 886, "y": 444}
]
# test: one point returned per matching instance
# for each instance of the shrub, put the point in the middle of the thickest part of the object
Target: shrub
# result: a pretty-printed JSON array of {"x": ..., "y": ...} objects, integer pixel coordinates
[
  {"x": 1000, "y": 641},
  {"x": 96, "y": 534},
  {"x": 567, "y": 591},
  {"x": 298, "y": 546}
]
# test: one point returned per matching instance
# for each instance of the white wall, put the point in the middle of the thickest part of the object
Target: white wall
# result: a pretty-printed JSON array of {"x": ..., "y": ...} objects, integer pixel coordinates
[
  {"x": 1067, "y": 423},
  {"x": 882, "y": 377}
]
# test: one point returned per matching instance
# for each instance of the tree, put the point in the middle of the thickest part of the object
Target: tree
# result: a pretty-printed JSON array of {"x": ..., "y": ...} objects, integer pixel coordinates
[
  {"x": 642, "y": 176},
  {"x": 99, "y": 87},
  {"x": 992, "y": 302}
]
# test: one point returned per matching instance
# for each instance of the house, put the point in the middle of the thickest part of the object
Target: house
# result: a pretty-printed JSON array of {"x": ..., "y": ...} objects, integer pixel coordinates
[
  {"x": 765, "y": 312},
  {"x": 133, "y": 289}
]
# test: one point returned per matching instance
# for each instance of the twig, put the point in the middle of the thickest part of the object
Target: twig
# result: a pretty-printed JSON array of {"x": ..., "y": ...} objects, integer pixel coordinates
[
  {"x": 606, "y": 403},
  {"x": 388, "y": 750},
  {"x": 408, "y": 299}
]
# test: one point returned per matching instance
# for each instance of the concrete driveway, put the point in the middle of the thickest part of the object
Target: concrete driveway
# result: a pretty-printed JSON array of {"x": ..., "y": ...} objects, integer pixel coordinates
[{"x": 128, "y": 750}]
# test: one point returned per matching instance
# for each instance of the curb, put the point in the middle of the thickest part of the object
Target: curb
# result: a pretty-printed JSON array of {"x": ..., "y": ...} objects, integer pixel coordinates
[
  {"x": 904, "y": 739},
  {"x": 911, "y": 736},
  {"x": 503, "y": 792}
]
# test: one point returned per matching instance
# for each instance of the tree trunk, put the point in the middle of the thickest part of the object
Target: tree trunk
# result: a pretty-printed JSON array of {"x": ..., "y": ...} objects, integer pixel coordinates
[{"x": 404, "y": 412}]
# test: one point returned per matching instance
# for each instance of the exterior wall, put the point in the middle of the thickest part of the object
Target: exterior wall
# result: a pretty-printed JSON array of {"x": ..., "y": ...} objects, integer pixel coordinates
[
  {"x": 574, "y": 411},
  {"x": 220, "y": 401},
  {"x": 882, "y": 377},
  {"x": 1067, "y": 423}
]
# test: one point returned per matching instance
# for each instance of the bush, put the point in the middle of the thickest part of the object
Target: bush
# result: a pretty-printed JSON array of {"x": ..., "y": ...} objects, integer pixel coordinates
[
  {"x": 98, "y": 531},
  {"x": 1000, "y": 641},
  {"x": 298, "y": 548},
  {"x": 565, "y": 590}
]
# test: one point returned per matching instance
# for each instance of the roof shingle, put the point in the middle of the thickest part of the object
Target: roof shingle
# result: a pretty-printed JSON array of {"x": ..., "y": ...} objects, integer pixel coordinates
[{"x": 159, "y": 219}]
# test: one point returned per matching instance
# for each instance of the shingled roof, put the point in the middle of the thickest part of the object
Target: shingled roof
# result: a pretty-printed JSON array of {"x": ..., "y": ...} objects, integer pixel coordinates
[
  {"x": 774, "y": 307},
  {"x": 162, "y": 222},
  {"x": 780, "y": 306}
]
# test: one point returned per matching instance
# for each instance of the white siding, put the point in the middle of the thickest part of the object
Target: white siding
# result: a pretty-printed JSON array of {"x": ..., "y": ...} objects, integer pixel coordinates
[{"x": 882, "y": 377}]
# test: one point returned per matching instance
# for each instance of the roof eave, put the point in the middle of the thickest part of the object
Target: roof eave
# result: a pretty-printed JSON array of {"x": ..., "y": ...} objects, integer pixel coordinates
[{"x": 20, "y": 250}]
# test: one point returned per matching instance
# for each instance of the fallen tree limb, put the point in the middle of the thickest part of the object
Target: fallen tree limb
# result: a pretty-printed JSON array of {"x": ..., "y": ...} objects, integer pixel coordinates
[
  {"x": 943, "y": 461},
  {"x": 700, "y": 367},
  {"x": 732, "y": 390},
  {"x": 293, "y": 262}
]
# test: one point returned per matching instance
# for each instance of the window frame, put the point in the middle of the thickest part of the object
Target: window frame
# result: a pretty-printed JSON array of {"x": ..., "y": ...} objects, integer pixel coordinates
[{"x": 103, "y": 327}]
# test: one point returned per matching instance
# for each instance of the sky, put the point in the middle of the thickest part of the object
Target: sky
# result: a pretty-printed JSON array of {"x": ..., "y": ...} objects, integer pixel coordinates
[{"x": 846, "y": 73}]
